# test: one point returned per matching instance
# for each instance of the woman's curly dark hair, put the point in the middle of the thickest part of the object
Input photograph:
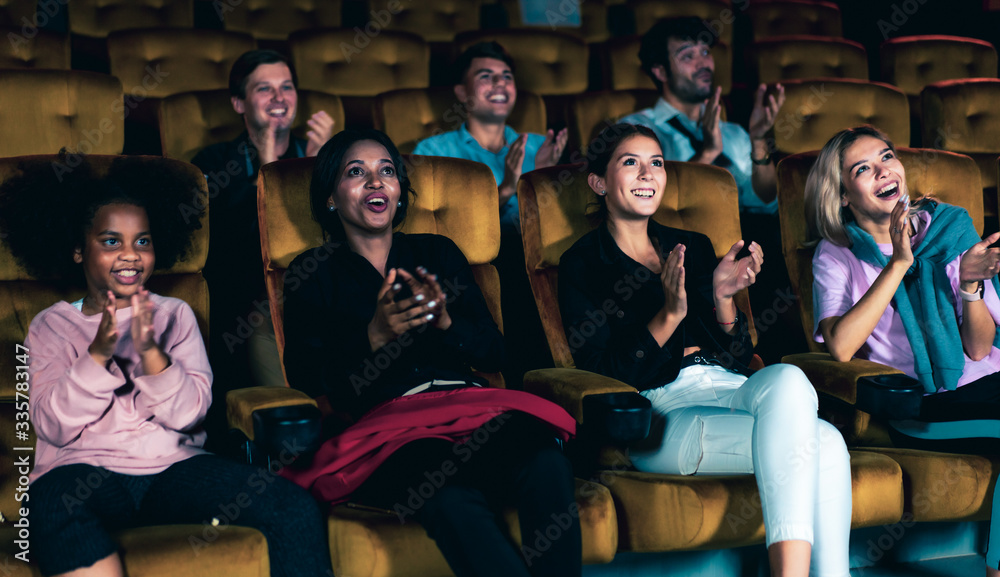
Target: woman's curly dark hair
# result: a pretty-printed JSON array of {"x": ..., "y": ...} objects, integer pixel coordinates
[{"x": 46, "y": 210}]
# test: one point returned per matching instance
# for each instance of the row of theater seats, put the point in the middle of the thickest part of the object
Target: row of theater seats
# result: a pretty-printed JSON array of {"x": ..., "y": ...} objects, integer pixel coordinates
[
  {"x": 83, "y": 112},
  {"x": 434, "y": 21},
  {"x": 620, "y": 510}
]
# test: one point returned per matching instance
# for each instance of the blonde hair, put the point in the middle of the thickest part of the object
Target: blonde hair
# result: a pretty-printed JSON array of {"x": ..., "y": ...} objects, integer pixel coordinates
[{"x": 825, "y": 215}]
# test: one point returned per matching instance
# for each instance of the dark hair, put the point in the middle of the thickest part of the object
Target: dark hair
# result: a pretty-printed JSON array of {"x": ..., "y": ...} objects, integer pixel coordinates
[
  {"x": 326, "y": 177},
  {"x": 653, "y": 48},
  {"x": 45, "y": 214},
  {"x": 480, "y": 50},
  {"x": 248, "y": 62},
  {"x": 601, "y": 149}
]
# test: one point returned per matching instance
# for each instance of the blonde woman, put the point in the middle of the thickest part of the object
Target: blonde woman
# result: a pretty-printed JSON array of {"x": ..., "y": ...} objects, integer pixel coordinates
[{"x": 908, "y": 285}]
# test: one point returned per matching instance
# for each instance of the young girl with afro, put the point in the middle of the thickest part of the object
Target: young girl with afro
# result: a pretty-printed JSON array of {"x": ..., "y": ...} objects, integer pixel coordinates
[{"x": 120, "y": 380}]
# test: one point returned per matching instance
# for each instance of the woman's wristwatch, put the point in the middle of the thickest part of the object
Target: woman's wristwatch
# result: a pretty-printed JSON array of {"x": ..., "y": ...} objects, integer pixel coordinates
[{"x": 971, "y": 297}]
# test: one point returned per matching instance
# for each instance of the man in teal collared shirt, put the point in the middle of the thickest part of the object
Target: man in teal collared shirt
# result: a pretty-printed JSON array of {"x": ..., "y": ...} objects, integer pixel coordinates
[
  {"x": 485, "y": 86},
  {"x": 676, "y": 55}
]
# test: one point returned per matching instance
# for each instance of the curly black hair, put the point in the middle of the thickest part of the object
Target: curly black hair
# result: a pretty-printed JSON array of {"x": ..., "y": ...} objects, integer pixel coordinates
[{"x": 47, "y": 208}]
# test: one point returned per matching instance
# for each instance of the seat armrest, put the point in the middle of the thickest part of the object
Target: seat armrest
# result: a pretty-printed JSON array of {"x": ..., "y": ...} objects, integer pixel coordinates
[
  {"x": 242, "y": 403},
  {"x": 568, "y": 387},
  {"x": 835, "y": 378}
]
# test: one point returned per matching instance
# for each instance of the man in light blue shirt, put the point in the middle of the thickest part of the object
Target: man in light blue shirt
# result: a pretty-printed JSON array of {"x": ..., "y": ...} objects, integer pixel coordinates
[
  {"x": 676, "y": 55},
  {"x": 485, "y": 86}
]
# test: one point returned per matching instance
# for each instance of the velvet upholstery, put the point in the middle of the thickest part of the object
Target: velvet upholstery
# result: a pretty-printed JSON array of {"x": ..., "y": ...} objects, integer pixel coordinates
[
  {"x": 961, "y": 116},
  {"x": 193, "y": 120},
  {"x": 410, "y": 115},
  {"x": 649, "y": 12},
  {"x": 781, "y": 58},
  {"x": 98, "y": 18},
  {"x": 912, "y": 62},
  {"x": 815, "y": 110},
  {"x": 380, "y": 546},
  {"x": 951, "y": 178},
  {"x": 52, "y": 109},
  {"x": 553, "y": 202},
  {"x": 436, "y": 21},
  {"x": 780, "y": 17},
  {"x": 276, "y": 19},
  {"x": 45, "y": 49},
  {"x": 546, "y": 62},
  {"x": 681, "y": 513},
  {"x": 590, "y": 112},
  {"x": 153, "y": 551},
  {"x": 456, "y": 198},
  {"x": 167, "y": 551},
  {"x": 389, "y": 61},
  {"x": 180, "y": 60},
  {"x": 13, "y": 12},
  {"x": 622, "y": 69}
]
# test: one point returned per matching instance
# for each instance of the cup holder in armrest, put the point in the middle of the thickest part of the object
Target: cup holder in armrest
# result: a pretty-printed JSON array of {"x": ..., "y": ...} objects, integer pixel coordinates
[
  {"x": 620, "y": 417},
  {"x": 294, "y": 430},
  {"x": 893, "y": 397}
]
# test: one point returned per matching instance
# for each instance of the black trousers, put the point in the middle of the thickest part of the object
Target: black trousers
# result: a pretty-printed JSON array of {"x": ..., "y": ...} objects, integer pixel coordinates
[
  {"x": 457, "y": 492},
  {"x": 77, "y": 507},
  {"x": 975, "y": 401}
]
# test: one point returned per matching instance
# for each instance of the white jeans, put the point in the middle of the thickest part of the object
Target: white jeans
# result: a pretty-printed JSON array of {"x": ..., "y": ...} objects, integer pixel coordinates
[{"x": 711, "y": 420}]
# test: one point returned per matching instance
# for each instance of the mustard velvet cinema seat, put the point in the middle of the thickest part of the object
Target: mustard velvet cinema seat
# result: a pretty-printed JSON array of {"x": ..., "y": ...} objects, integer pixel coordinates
[
  {"x": 155, "y": 63},
  {"x": 718, "y": 14},
  {"x": 456, "y": 198},
  {"x": 91, "y": 21},
  {"x": 159, "y": 551},
  {"x": 968, "y": 479},
  {"x": 45, "y": 49},
  {"x": 594, "y": 18},
  {"x": 781, "y": 17},
  {"x": 193, "y": 120},
  {"x": 815, "y": 110},
  {"x": 960, "y": 116},
  {"x": 437, "y": 21},
  {"x": 782, "y": 58},
  {"x": 356, "y": 65},
  {"x": 410, "y": 115},
  {"x": 270, "y": 22},
  {"x": 53, "y": 109},
  {"x": 913, "y": 62},
  {"x": 592, "y": 111},
  {"x": 658, "y": 513}
]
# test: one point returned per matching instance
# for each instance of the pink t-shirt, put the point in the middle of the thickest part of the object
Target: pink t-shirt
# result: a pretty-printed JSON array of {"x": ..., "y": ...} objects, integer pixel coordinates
[
  {"x": 116, "y": 418},
  {"x": 840, "y": 280}
]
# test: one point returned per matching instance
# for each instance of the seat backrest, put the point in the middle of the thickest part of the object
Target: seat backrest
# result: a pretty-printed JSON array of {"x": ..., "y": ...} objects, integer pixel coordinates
[
  {"x": 961, "y": 115},
  {"x": 912, "y": 62},
  {"x": 719, "y": 15},
  {"x": 349, "y": 62},
  {"x": 590, "y": 112},
  {"x": 949, "y": 177},
  {"x": 276, "y": 19},
  {"x": 815, "y": 110},
  {"x": 781, "y": 17},
  {"x": 412, "y": 114},
  {"x": 455, "y": 198},
  {"x": 52, "y": 109},
  {"x": 193, "y": 120},
  {"x": 22, "y": 297},
  {"x": 547, "y": 62},
  {"x": 160, "y": 62},
  {"x": 437, "y": 21},
  {"x": 42, "y": 50},
  {"x": 782, "y": 58},
  {"x": 98, "y": 18},
  {"x": 554, "y": 203},
  {"x": 623, "y": 71}
]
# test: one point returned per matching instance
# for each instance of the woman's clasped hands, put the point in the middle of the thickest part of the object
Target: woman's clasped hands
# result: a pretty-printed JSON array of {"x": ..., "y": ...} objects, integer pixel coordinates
[{"x": 426, "y": 306}]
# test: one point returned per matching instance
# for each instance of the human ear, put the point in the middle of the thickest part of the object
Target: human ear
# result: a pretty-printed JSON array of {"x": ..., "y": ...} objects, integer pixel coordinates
[
  {"x": 78, "y": 255},
  {"x": 460, "y": 93},
  {"x": 238, "y": 105},
  {"x": 660, "y": 72},
  {"x": 596, "y": 184}
]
